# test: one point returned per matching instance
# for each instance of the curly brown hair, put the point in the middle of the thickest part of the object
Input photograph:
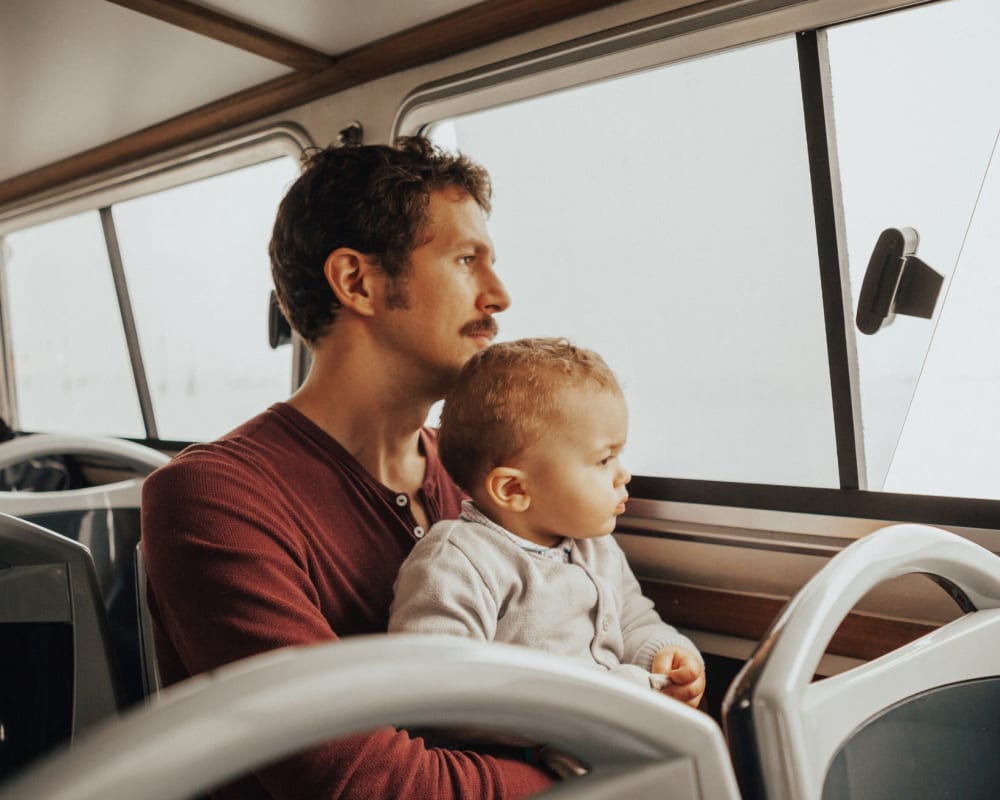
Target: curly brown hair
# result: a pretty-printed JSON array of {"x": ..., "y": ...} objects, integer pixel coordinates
[
  {"x": 371, "y": 198},
  {"x": 504, "y": 399}
]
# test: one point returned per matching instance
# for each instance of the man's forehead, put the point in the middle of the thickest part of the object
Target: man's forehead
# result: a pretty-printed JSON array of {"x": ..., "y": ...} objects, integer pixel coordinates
[{"x": 456, "y": 221}]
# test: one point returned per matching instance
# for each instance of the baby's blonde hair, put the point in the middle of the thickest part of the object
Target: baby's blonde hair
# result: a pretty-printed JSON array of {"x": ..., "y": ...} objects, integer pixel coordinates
[{"x": 504, "y": 399}]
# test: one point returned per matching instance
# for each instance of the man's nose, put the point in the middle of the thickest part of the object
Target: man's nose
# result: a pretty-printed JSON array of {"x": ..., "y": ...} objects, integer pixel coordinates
[{"x": 493, "y": 297}]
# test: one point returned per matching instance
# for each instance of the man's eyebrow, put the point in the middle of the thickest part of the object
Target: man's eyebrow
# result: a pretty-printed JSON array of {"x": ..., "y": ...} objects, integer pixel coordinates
[{"x": 475, "y": 244}]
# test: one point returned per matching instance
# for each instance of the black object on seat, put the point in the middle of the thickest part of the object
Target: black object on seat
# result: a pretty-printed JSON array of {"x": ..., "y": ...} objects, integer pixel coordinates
[
  {"x": 56, "y": 673},
  {"x": 46, "y": 473}
]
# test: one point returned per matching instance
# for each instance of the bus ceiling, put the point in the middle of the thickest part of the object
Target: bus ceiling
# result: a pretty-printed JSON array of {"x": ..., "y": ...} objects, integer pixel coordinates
[{"x": 175, "y": 71}]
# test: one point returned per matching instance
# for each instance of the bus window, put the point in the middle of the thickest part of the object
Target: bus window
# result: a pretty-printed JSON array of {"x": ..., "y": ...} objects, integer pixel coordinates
[
  {"x": 71, "y": 364},
  {"x": 198, "y": 272},
  {"x": 664, "y": 218},
  {"x": 195, "y": 267},
  {"x": 917, "y": 120}
]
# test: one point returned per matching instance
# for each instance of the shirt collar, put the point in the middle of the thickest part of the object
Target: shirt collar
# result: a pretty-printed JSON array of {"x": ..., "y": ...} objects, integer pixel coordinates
[{"x": 558, "y": 552}]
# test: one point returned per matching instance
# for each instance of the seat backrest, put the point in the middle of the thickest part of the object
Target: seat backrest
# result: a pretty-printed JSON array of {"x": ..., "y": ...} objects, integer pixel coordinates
[
  {"x": 56, "y": 673},
  {"x": 637, "y": 743},
  {"x": 106, "y": 519},
  {"x": 880, "y": 730}
]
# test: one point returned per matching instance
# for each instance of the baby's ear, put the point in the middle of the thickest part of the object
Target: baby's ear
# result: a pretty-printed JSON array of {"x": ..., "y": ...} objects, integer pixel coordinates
[{"x": 506, "y": 488}]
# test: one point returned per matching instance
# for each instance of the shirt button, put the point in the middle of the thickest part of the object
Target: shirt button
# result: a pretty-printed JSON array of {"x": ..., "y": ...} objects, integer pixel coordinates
[
  {"x": 418, "y": 532},
  {"x": 402, "y": 500}
]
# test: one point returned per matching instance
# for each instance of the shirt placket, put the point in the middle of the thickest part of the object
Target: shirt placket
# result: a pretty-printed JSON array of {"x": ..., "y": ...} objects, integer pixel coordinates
[{"x": 406, "y": 512}]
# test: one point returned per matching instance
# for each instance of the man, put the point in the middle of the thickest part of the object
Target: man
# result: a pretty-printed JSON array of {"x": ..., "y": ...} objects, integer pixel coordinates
[{"x": 291, "y": 528}]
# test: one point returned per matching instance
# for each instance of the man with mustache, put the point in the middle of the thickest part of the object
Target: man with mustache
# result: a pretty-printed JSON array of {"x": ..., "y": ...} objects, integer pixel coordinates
[{"x": 291, "y": 528}]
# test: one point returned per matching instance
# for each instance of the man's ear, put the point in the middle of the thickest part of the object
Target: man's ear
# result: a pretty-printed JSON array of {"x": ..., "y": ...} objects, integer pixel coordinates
[
  {"x": 350, "y": 275},
  {"x": 506, "y": 487}
]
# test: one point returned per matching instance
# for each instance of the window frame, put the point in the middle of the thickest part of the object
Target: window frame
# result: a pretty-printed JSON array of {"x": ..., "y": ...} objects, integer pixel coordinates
[
  {"x": 180, "y": 166},
  {"x": 681, "y": 35}
]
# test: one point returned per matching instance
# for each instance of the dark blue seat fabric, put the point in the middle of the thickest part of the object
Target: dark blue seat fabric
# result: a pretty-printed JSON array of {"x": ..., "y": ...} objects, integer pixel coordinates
[{"x": 940, "y": 743}]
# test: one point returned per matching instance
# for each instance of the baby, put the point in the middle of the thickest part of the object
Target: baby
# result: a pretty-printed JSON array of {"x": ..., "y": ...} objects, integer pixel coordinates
[{"x": 533, "y": 431}]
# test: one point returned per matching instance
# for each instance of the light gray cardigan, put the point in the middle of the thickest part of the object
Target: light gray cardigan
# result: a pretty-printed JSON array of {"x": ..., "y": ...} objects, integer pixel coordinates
[{"x": 467, "y": 578}]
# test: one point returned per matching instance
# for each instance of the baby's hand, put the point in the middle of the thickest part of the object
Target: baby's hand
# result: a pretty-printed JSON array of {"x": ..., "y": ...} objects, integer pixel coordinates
[{"x": 683, "y": 674}]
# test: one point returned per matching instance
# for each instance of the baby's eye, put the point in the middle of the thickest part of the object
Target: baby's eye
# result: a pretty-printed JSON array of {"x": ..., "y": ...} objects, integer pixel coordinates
[{"x": 605, "y": 461}]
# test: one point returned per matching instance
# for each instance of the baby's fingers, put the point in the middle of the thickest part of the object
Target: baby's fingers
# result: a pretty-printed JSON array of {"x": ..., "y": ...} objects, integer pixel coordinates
[
  {"x": 689, "y": 692},
  {"x": 685, "y": 673}
]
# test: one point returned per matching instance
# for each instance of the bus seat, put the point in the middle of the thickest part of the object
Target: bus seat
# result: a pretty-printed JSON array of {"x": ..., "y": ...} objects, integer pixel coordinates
[
  {"x": 636, "y": 742},
  {"x": 56, "y": 673},
  {"x": 105, "y": 518},
  {"x": 920, "y": 721}
]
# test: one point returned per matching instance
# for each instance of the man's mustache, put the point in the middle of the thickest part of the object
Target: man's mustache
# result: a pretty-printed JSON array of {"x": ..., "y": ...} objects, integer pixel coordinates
[{"x": 485, "y": 325}]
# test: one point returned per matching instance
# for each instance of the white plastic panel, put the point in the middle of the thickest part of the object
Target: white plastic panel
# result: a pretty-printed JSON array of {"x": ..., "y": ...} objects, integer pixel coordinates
[{"x": 212, "y": 728}]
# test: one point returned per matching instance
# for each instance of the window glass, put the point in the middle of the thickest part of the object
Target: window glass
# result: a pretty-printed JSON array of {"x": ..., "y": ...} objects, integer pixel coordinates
[
  {"x": 917, "y": 118},
  {"x": 665, "y": 219},
  {"x": 71, "y": 367},
  {"x": 950, "y": 443},
  {"x": 198, "y": 273}
]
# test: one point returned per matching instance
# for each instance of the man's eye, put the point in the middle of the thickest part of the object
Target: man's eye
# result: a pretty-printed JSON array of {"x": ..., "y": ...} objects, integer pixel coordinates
[{"x": 467, "y": 260}]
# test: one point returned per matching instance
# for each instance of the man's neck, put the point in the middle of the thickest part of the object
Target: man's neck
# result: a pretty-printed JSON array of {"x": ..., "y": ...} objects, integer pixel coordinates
[{"x": 367, "y": 412}]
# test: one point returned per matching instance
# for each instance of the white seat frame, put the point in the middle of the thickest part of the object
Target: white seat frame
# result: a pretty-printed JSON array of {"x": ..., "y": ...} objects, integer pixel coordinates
[
  {"x": 120, "y": 494},
  {"x": 800, "y": 725},
  {"x": 212, "y": 728}
]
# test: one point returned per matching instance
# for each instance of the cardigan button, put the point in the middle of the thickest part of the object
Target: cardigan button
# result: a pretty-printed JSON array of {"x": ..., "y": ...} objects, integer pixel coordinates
[
  {"x": 402, "y": 500},
  {"x": 418, "y": 532}
]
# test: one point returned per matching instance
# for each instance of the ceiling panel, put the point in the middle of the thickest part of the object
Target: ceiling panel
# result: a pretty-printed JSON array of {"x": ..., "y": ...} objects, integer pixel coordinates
[
  {"x": 77, "y": 73},
  {"x": 335, "y": 26}
]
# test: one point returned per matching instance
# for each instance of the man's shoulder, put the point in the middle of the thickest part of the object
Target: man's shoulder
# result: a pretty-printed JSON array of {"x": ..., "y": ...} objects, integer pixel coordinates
[{"x": 245, "y": 450}]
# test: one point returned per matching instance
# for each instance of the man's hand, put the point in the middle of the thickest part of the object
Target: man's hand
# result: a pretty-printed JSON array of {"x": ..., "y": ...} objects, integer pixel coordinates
[{"x": 684, "y": 672}]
